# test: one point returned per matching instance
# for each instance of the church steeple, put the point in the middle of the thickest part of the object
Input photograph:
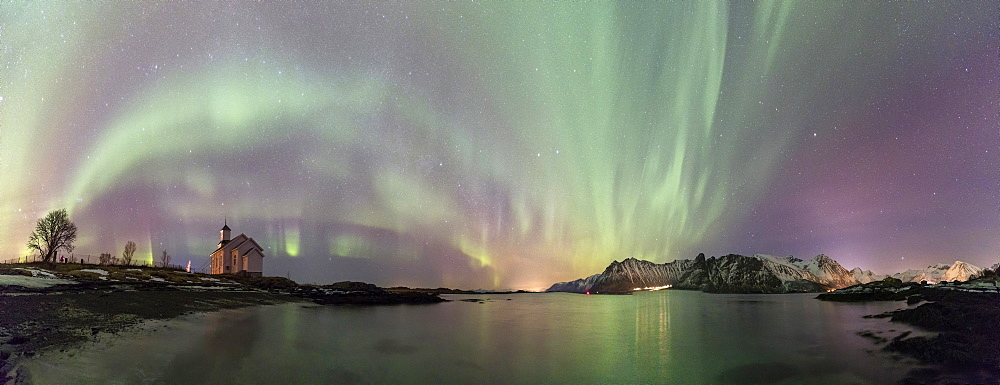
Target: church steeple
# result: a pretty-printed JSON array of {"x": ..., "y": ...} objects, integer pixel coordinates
[{"x": 224, "y": 233}]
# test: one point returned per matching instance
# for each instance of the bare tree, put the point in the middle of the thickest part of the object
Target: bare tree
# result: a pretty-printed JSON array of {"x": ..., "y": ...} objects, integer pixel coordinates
[
  {"x": 52, "y": 233},
  {"x": 128, "y": 253},
  {"x": 106, "y": 259},
  {"x": 164, "y": 259}
]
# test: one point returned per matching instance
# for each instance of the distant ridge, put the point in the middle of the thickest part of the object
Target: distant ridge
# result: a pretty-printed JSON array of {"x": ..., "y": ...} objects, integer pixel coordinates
[
  {"x": 866, "y": 276},
  {"x": 732, "y": 273},
  {"x": 759, "y": 273},
  {"x": 957, "y": 271}
]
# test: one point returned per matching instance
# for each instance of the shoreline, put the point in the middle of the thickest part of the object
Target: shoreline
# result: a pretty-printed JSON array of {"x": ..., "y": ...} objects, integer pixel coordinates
[
  {"x": 64, "y": 306},
  {"x": 960, "y": 318},
  {"x": 38, "y": 368},
  {"x": 45, "y": 322}
]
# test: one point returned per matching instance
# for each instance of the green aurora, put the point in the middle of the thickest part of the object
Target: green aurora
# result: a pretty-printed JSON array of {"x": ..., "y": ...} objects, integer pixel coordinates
[{"x": 494, "y": 144}]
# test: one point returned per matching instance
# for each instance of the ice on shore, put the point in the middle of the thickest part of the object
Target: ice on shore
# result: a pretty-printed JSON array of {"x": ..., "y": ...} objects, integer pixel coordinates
[{"x": 32, "y": 282}]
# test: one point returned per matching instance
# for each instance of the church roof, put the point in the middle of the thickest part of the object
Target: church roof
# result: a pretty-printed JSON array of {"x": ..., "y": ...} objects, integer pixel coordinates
[
  {"x": 237, "y": 241},
  {"x": 226, "y": 227}
]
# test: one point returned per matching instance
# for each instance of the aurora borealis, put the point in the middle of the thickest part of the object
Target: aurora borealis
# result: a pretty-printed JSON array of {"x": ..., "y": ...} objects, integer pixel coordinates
[{"x": 505, "y": 144}]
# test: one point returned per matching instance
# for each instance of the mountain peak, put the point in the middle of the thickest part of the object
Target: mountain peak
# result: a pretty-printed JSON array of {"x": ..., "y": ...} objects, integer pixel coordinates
[{"x": 865, "y": 276}]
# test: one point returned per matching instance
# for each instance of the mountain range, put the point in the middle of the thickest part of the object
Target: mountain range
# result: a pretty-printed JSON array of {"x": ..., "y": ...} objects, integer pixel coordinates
[
  {"x": 759, "y": 273},
  {"x": 958, "y": 271}
]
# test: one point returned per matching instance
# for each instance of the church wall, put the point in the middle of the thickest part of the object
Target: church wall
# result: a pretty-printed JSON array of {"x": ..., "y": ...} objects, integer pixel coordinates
[
  {"x": 217, "y": 267},
  {"x": 255, "y": 261}
]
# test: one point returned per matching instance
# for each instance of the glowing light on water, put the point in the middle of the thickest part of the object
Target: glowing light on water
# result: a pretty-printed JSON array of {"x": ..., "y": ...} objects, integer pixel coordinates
[{"x": 652, "y": 288}]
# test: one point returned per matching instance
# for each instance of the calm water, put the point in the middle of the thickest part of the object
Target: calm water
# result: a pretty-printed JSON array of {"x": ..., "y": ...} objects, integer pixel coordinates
[{"x": 678, "y": 337}]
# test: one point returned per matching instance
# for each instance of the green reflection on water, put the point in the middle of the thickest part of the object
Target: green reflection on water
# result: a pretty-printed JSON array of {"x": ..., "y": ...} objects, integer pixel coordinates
[{"x": 672, "y": 337}]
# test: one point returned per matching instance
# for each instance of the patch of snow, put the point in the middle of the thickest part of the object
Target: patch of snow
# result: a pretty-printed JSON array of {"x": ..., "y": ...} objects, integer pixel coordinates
[
  {"x": 95, "y": 271},
  {"x": 209, "y": 279},
  {"x": 203, "y": 287},
  {"x": 157, "y": 279},
  {"x": 38, "y": 273},
  {"x": 32, "y": 282}
]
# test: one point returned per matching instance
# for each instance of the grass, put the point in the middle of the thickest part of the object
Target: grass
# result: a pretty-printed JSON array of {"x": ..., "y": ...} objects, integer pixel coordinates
[
  {"x": 135, "y": 274},
  {"x": 121, "y": 273}
]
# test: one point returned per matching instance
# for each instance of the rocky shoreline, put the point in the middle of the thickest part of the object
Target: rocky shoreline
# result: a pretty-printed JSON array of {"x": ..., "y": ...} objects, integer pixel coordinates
[
  {"x": 55, "y": 307},
  {"x": 964, "y": 316}
]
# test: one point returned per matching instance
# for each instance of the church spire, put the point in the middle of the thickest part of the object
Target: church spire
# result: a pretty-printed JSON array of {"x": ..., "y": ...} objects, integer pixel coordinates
[{"x": 224, "y": 233}]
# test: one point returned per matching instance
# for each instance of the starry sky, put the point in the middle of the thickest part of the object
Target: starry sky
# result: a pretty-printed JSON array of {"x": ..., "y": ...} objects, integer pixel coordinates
[{"x": 504, "y": 144}]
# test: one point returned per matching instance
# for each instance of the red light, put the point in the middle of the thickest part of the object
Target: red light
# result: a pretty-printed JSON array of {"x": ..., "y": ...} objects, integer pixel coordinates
[{"x": 588, "y": 293}]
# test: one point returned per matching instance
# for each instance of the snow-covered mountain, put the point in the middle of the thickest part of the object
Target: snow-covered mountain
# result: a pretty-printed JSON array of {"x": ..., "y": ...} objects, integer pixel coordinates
[
  {"x": 941, "y": 272},
  {"x": 578, "y": 286},
  {"x": 756, "y": 274},
  {"x": 961, "y": 271},
  {"x": 931, "y": 274},
  {"x": 866, "y": 276},
  {"x": 728, "y": 274}
]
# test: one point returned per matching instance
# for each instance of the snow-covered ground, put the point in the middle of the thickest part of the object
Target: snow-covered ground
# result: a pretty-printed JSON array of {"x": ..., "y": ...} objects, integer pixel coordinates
[
  {"x": 95, "y": 271},
  {"x": 38, "y": 273},
  {"x": 32, "y": 282},
  {"x": 972, "y": 287}
]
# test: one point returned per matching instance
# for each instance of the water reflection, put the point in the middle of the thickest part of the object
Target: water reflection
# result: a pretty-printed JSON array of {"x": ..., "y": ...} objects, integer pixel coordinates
[
  {"x": 227, "y": 342},
  {"x": 657, "y": 337}
]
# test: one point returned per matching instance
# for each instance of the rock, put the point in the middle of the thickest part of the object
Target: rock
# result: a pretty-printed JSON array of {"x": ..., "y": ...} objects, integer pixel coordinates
[
  {"x": 22, "y": 376},
  {"x": 966, "y": 342},
  {"x": 873, "y": 336},
  {"x": 18, "y": 340},
  {"x": 888, "y": 289}
]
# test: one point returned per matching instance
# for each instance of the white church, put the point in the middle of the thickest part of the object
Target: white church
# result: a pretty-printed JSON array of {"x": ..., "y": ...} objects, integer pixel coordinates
[{"x": 241, "y": 255}]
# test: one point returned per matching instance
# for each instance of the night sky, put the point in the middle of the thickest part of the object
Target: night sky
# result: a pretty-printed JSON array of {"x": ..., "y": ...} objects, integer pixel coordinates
[{"x": 505, "y": 144}]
